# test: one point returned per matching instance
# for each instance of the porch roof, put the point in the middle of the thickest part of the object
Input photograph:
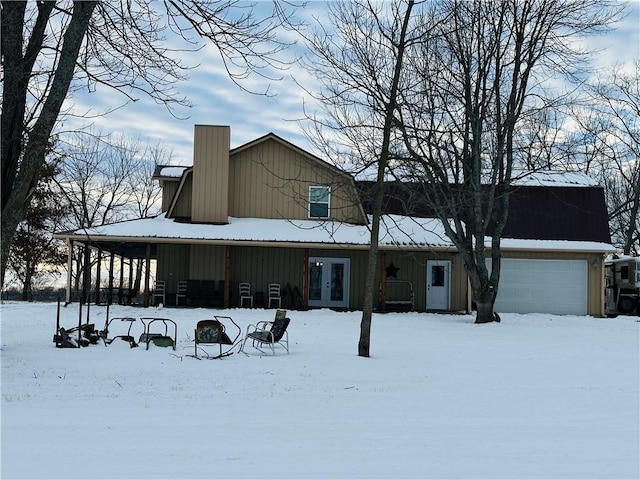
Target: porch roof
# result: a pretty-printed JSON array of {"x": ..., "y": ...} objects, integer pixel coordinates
[{"x": 396, "y": 232}]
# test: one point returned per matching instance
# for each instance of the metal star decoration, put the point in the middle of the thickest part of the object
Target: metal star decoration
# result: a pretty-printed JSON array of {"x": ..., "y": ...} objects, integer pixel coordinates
[{"x": 391, "y": 271}]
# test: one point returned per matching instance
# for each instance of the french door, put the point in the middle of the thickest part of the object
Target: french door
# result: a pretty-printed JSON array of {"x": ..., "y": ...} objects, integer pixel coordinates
[{"x": 329, "y": 282}]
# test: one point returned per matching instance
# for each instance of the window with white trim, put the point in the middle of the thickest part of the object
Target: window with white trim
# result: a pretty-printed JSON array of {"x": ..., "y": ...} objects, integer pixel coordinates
[{"x": 319, "y": 197}]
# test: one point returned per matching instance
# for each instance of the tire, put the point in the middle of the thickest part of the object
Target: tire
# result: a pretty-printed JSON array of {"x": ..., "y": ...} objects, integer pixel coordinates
[{"x": 626, "y": 305}]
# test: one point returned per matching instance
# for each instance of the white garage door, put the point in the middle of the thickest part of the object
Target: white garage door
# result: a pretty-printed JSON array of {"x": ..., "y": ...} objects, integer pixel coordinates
[{"x": 543, "y": 286}]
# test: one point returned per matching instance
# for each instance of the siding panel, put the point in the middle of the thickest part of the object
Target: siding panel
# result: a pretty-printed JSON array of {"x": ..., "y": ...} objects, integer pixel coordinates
[
  {"x": 270, "y": 180},
  {"x": 172, "y": 266}
]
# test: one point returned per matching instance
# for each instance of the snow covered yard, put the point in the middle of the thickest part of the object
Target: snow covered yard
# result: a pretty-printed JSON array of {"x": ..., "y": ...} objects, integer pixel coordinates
[{"x": 536, "y": 396}]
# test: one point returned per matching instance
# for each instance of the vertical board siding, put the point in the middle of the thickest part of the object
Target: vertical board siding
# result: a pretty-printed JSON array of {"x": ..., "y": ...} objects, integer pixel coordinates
[
  {"x": 173, "y": 266},
  {"x": 182, "y": 208},
  {"x": 413, "y": 268},
  {"x": 210, "y": 174},
  {"x": 261, "y": 266},
  {"x": 169, "y": 189},
  {"x": 270, "y": 180},
  {"x": 206, "y": 262}
]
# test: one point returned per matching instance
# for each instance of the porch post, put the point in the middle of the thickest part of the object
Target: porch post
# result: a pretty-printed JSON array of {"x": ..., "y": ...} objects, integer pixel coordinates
[
  {"x": 86, "y": 284},
  {"x": 129, "y": 290},
  {"x": 130, "y": 273},
  {"x": 110, "y": 297},
  {"x": 147, "y": 266},
  {"x": 305, "y": 282},
  {"x": 67, "y": 300},
  {"x": 227, "y": 275},
  {"x": 383, "y": 281},
  {"x": 121, "y": 279},
  {"x": 98, "y": 273}
]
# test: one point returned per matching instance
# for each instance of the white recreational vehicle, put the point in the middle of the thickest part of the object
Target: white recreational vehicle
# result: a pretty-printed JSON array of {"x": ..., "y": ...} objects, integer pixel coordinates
[{"x": 622, "y": 285}]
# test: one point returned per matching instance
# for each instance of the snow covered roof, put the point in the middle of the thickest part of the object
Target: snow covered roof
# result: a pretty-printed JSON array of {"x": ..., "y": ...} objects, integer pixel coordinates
[
  {"x": 550, "y": 178},
  {"x": 542, "y": 178},
  {"x": 169, "y": 171},
  {"x": 395, "y": 231}
]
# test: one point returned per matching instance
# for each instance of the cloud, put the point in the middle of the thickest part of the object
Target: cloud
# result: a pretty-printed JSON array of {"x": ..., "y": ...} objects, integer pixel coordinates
[{"x": 218, "y": 100}]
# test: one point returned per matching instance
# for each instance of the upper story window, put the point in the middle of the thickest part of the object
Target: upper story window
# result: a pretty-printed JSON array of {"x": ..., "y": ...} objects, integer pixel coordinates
[{"x": 319, "y": 197}]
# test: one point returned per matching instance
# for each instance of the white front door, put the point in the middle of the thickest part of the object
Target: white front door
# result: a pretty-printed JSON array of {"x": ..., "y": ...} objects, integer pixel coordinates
[
  {"x": 438, "y": 281},
  {"x": 329, "y": 282}
]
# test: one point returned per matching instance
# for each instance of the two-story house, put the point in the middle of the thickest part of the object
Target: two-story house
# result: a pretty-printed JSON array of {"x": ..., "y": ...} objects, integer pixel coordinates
[{"x": 270, "y": 212}]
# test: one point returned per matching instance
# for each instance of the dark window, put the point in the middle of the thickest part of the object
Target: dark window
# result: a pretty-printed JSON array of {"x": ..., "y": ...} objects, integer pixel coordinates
[
  {"x": 437, "y": 276},
  {"x": 624, "y": 272}
]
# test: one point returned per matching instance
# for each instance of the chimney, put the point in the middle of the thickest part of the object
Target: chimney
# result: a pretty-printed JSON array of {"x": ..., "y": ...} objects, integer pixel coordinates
[{"x": 210, "y": 193}]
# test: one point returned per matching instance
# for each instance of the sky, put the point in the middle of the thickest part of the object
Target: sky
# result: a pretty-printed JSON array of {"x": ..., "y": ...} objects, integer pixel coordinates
[{"x": 218, "y": 101}]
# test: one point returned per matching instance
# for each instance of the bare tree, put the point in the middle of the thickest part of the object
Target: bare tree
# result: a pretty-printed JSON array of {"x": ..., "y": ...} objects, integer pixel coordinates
[
  {"x": 360, "y": 67},
  {"x": 50, "y": 49},
  {"x": 108, "y": 178},
  {"x": 145, "y": 191},
  {"x": 478, "y": 76},
  {"x": 615, "y": 125}
]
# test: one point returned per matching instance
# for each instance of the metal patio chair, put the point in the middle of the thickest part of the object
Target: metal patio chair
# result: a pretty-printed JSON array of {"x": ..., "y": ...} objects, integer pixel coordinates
[{"x": 268, "y": 333}]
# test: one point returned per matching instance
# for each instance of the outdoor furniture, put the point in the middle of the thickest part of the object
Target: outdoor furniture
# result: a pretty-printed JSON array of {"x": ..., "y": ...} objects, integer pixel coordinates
[
  {"x": 211, "y": 332},
  {"x": 181, "y": 291},
  {"x": 245, "y": 293},
  {"x": 218, "y": 294},
  {"x": 269, "y": 333},
  {"x": 159, "y": 292},
  {"x": 274, "y": 295},
  {"x": 204, "y": 292},
  {"x": 127, "y": 338},
  {"x": 194, "y": 292},
  {"x": 398, "y": 296},
  {"x": 158, "y": 339},
  {"x": 208, "y": 292}
]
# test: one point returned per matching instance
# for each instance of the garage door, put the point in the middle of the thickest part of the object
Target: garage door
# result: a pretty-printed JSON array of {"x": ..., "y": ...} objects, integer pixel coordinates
[{"x": 543, "y": 286}]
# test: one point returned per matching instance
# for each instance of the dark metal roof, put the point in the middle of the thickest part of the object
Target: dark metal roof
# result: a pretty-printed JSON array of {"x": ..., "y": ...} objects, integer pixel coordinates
[{"x": 535, "y": 212}]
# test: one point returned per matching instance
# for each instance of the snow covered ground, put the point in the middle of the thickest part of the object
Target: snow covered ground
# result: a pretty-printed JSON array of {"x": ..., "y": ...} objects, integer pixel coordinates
[{"x": 537, "y": 396}]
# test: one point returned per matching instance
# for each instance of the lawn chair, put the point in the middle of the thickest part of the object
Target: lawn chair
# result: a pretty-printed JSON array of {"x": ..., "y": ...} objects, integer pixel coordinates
[
  {"x": 210, "y": 332},
  {"x": 158, "y": 339},
  {"x": 127, "y": 338},
  {"x": 269, "y": 333}
]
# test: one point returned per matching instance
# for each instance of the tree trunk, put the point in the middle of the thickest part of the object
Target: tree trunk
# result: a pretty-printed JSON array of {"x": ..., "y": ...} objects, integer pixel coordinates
[
  {"x": 15, "y": 200},
  {"x": 367, "y": 310},
  {"x": 369, "y": 289},
  {"x": 26, "y": 286},
  {"x": 633, "y": 222},
  {"x": 485, "y": 313}
]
